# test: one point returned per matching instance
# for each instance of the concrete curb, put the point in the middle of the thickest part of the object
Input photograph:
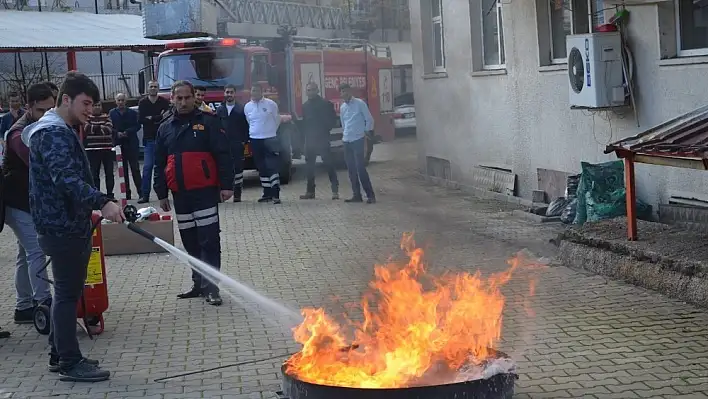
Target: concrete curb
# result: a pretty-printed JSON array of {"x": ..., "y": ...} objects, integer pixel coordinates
[
  {"x": 683, "y": 280},
  {"x": 535, "y": 218},
  {"x": 453, "y": 185}
]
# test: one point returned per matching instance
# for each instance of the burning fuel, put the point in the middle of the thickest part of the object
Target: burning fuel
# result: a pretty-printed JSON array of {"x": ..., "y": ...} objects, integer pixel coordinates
[{"x": 416, "y": 328}]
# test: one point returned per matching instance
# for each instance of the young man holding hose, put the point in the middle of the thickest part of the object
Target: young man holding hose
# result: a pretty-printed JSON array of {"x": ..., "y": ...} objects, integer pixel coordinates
[{"x": 62, "y": 198}]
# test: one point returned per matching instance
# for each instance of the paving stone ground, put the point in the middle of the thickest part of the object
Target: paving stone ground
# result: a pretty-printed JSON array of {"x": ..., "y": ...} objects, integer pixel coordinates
[{"x": 579, "y": 336}]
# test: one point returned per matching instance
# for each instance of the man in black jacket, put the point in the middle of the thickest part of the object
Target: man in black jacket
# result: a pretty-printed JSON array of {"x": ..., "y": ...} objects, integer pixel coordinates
[
  {"x": 319, "y": 118},
  {"x": 236, "y": 125},
  {"x": 193, "y": 161},
  {"x": 152, "y": 110}
]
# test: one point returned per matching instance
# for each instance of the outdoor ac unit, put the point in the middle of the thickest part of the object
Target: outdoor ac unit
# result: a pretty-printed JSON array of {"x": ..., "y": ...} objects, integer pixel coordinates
[{"x": 595, "y": 70}]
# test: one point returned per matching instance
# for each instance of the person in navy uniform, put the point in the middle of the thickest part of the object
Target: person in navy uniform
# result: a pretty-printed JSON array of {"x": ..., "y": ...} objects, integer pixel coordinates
[
  {"x": 193, "y": 161},
  {"x": 235, "y": 123}
]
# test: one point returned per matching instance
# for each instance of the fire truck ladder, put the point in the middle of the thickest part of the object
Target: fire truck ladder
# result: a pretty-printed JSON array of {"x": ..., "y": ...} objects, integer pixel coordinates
[{"x": 316, "y": 43}]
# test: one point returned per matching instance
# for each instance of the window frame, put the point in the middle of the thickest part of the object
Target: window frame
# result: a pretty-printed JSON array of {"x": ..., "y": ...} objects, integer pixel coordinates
[
  {"x": 592, "y": 7},
  {"x": 263, "y": 56},
  {"x": 437, "y": 20},
  {"x": 500, "y": 38},
  {"x": 703, "y": 51}
]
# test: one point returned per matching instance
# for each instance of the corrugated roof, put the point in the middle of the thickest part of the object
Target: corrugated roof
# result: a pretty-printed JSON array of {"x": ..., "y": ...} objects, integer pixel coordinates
[
  {"x": 32, "y": 30},
  {"x": 684, "y": 136}
]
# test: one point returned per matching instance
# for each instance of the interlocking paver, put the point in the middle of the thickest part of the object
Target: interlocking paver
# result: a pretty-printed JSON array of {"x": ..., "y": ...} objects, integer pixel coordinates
[{"x": 588, "y": 336}]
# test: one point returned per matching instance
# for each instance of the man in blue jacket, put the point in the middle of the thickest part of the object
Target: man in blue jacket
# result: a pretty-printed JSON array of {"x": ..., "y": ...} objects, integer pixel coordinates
[
  {"x": 125, "y": 123},
  {"x": 62, "y": 198}
]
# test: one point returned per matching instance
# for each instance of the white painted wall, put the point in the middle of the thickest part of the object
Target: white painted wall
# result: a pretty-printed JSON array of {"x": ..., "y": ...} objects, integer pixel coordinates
[{"x": 521, "y": 119}]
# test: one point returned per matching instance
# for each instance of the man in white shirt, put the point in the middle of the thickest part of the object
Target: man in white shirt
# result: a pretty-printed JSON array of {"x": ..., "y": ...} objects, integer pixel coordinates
[
  {"x": 263, "y": 121},
  {"x": 356, "y": 122}
]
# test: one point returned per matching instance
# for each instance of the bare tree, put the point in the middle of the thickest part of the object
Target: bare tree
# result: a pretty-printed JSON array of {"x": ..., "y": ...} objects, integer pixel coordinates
[{"x": 26, "y": 69}]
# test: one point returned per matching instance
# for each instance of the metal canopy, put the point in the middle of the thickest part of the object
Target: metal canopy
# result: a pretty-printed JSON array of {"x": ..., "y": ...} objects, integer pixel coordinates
[{"x": 76, "y": 31}]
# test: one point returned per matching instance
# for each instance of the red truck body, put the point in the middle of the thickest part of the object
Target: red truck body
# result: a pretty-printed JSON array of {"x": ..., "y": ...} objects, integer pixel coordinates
[{"x": 213, "y": 63}]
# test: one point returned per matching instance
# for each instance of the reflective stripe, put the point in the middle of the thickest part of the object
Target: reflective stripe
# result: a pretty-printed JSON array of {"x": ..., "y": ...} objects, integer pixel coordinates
[
  {"x": 274, "y": 177},
  {"x": 184, "y": 217},
  {"x": 186, "y": 225},
  {"x": 238, "y": 176},
  {"x": 205, "y": 212},
  {"x": 238, "y": 181},
  {"x": 207, "y": 221},
  {"x": 265, "y": 184}
]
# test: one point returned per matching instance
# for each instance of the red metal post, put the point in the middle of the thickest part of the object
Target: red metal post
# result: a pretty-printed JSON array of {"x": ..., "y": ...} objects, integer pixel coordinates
[
  {"x": 71, "y": 60},
  {"x": 631, "y": 198}
]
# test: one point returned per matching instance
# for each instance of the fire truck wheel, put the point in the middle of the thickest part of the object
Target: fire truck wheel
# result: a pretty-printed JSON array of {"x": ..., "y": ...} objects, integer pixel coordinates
[{"x": 41, "y": 318}]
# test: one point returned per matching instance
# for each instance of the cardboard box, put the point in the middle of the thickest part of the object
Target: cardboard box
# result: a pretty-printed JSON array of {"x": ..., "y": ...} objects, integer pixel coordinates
[{"x": 118, "y": 240}]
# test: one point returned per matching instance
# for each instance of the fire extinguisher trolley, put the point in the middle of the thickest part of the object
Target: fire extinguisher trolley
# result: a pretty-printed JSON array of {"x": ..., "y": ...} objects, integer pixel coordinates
[{"x": 94, "y": 299}]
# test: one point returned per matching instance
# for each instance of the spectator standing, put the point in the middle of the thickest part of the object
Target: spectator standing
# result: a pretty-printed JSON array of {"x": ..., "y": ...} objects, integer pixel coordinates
[
  {"x": 62, "y": 198},
  {"x": 30, "y": 287},
  {"x": 99, "y": 139},
  {"x": 152, "y": 110},
  {"x": 234, "y": 122},
  {"x": 263, "y": 121},
  {"x": 126, "y": 125},
  {"x": 357, "y": 122},
  {"x": 199, "y": 92},
  {"x": 319, "y": 117},
  {"x": 13, "y": 115}
]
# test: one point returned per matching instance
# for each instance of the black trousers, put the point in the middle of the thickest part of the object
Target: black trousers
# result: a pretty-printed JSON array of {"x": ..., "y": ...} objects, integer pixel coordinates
[
  {"x": 323, "y": 150},
  {"x": 131, "y": 164},
  {"x": 105, "y": 158},
  {"x": 238, "y": 158},
  {"x": 266, "y": 155},
  {"x": 197, "y": 215}
]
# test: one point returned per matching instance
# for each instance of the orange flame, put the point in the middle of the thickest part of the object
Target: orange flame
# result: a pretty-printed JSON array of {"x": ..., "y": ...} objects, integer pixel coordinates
[{"x": 407, "y": 329}]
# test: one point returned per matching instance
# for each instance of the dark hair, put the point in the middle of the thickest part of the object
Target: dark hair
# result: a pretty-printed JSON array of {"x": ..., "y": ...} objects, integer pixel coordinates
[
  {"x": 345, "y": 86},
  {"x": 76, "y": 83},
  {"x": 51, "y": 85},
  {"x": 182, "y": 83},
  {"x": 38, "y": 92},
  {"x": 230, "y": 86},
  {"x": 200, "y": 88}
]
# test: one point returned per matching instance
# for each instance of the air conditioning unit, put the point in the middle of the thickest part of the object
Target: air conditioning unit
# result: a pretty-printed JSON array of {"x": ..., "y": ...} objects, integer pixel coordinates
[{"x": 595, "y": 72}]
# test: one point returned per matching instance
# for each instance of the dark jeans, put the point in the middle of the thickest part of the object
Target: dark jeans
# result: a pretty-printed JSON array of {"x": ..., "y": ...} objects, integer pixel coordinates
[
  {"x": 198, "y": 223},
  {"x": 148, "y": 165},
  {"x": 105, "y": 158},
  {"x": 130, "y": 160},
  {"x": 355, "y": 156},
  {"x": 70, "y": 257},
  {"x": 324, "y": 151},
  {"x": 266, "y": 155}
]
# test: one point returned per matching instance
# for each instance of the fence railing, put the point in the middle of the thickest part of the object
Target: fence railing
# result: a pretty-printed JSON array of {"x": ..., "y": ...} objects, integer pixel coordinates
[{"x": 114, "y": 83}]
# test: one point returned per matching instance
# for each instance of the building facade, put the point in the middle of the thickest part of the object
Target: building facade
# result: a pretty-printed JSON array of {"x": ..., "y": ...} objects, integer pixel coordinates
[{"x": 492, "y": 86}]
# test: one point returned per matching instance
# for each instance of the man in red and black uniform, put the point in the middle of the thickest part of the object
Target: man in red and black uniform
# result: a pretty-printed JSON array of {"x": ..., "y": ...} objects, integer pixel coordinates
[{"x": 192, "y": 160}]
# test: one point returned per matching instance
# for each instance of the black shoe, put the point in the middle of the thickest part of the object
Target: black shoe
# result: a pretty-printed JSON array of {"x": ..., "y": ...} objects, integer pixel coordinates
[
  {"x": 4, "y": 334},
  {"x": 335, "y": 196},
  {"x": 84, "y": 372},
  {"x": 25, "y": 316},
  {"x": 265, "y": 199},
  {"x": 237, "y": 199},
  {"x": 54, "y": 363},
  {"x": 307, "y": 196},
  {"x": 354, "y": 199},
  {"x": 371, "y": 200},
  {"x": 193, "y": 293},
  {"x": 214, "y": 299},
  {"x": 143, "y": 200},
  {"x": 277, "y": 201}
]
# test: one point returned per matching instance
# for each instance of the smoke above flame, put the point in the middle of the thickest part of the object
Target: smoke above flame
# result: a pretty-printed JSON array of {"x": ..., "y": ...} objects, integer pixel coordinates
[{"x": 413, "y": 323}]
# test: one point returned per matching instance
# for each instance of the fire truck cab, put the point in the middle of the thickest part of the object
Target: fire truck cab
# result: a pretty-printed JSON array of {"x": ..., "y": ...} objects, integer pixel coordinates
[{"x": 283, "y": 67}]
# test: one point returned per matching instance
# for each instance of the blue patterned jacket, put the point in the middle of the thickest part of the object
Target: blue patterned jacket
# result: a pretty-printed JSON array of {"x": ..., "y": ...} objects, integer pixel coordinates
[{"x": 62, "y": 196}]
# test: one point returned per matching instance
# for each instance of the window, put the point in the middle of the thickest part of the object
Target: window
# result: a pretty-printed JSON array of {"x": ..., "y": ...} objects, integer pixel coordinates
[
  {"x": 692, "y": 23},
  {"x": 567, "y": 17},
  {"x": 492, "y": 34},
  {"x": 438, "y": 36},
  {"x": 213, "y": 69},
  {"x": 259, "y": 68}
]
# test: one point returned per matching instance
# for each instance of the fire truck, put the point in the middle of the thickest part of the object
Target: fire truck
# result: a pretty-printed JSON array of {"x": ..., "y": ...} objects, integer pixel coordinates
[{"x": 283, "y": 67}]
